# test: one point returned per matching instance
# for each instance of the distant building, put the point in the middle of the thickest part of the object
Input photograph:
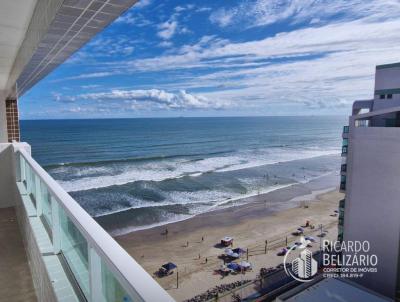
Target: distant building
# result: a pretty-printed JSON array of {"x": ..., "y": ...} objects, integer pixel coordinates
[{"x": 370, "y": 179}]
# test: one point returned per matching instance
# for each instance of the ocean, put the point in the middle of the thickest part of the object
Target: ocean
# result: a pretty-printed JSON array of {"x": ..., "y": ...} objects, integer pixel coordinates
[{"x": 148, "y": 172}]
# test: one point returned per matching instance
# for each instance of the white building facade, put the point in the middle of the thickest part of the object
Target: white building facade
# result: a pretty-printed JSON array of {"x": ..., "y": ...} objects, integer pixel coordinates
[{"x": 370, "y": 179}]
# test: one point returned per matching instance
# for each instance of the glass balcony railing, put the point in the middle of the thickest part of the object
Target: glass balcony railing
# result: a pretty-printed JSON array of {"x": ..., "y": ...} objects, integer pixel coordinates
[
  {"x": 344, "y": 150},
  {"x": 343, "y": 168},
  {"x": 101, "y": 268},
  {"x": 346, "y": 129}
]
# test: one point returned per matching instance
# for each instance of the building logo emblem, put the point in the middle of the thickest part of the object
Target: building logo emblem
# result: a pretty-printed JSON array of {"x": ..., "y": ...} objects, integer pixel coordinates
[{"x": 302, "y": 268}]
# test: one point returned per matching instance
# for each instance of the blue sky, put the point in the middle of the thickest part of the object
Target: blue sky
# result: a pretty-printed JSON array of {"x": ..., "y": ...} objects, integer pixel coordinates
[{"x": 221, "y": 58}]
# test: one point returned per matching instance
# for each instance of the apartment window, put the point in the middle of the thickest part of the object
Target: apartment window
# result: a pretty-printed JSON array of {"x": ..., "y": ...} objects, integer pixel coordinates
[
  {"x": 382, "y": 96},
  {"x": 389, "y": 96}
]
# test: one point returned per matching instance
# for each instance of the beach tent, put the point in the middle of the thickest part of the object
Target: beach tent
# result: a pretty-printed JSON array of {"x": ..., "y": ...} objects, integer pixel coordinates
[
  {"x": 226, "y": 241},
  {"x": 169, "y": 266},
  {"x": 239, "y": 251},
  {"x": 231, "y": 253},
  {"x": 233, "y": 266}
]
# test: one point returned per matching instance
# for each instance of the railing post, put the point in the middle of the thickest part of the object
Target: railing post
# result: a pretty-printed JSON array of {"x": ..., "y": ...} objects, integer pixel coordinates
[
  {"x": 28, "y": 178},
  {"x": 56, "y": 227},
  {"x": 96, "y": 284},
  {"x": 38, "y": 196},
  {"x": 17, "y": 165},
  {"x": 22, "y": 167}
]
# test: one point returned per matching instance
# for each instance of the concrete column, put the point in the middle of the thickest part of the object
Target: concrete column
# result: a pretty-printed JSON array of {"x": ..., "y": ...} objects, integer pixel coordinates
[
  {"x": 12, "y": 120},
  {"x": 3, "y": 122}
]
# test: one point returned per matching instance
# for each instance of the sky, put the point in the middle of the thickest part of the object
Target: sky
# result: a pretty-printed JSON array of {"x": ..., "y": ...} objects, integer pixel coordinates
[{"x": 175, "y": 58}]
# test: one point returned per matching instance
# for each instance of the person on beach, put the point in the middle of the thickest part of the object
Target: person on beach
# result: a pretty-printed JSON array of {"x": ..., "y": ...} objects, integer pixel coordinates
[{"x": 202, "y": 239}]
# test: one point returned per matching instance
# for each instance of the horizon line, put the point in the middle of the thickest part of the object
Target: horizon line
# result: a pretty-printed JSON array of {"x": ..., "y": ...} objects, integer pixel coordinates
[{"x": 178, "y": 117}]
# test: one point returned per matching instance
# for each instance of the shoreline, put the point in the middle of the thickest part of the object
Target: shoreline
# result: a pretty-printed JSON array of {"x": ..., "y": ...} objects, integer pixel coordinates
[
  {"x": 323, "y": 182},
  {"x": 192, "y": 244}
]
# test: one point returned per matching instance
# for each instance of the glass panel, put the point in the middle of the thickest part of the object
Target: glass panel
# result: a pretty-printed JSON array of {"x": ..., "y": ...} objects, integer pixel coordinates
[
  {"x": 46, "y": 204},
  {"x": 28, "y": 177},
  {"x": 33, "y": 186},
  {"x": 112, "y": 290},
  {"x": 345, "y": 142},
  {"x": 75, "y": 250}
]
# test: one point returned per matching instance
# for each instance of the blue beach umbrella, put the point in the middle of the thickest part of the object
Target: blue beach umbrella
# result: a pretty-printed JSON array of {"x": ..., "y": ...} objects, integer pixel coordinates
[{"x": 169, "y": 266}]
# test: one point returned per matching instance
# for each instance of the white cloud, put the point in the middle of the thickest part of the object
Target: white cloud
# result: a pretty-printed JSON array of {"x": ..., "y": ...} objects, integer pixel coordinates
[
  {"x": 167, "y": 29},
  {"x": 165, "y": 44},
  {"x": 148, "y": 98},
  {"x": 264, "y": 12},
  {"x": 325, "y": 65},
  {"x": 143, "y": 3},
  {"x": 223, "y": 17},
  {"x": 86, "y": 76}
]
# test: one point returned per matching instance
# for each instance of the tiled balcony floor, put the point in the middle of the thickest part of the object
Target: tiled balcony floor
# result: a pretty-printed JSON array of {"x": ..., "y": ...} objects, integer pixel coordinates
[{"x": 15, "y": 277}]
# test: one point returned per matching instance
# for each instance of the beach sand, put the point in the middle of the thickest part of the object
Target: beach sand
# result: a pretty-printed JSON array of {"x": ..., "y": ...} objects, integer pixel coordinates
[{"x": 272, "y": 216}]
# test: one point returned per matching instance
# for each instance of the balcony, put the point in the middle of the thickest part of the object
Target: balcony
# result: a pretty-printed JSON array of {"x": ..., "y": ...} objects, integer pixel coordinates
[
  {"x": 342, "y": 203},
  {"x": 342, "y": 186},
  {"x": 343, "y": 168},
  {"x": 345, "y": 133},
  {"x": 72, "y": 258},
  {"x": 344, "y": 150}
]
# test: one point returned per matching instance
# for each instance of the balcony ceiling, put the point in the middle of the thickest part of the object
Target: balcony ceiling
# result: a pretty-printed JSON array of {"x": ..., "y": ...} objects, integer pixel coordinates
[
  {"x": 37, "y": 36},
  {"x": 15, "y": 17}
]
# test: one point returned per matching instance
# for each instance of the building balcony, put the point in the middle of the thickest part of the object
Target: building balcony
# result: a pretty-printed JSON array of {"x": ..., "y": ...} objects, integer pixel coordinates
[
  {"x": 345, "y": 133},
  {"x": 343, "y": 168},
  {"x": 342, "y": 186},
  {"x": 344, "y": 150},
  {"x": 71, "y": 257}
]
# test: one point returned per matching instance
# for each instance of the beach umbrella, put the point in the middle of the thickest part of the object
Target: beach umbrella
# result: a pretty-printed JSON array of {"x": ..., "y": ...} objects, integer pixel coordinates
[
  {"x": 300, "y": 229},
  {"x": 310, "y": 238},
  {"x": 169, "y": 266},
  {"x": 228, "y": 251},
  {"x": 245, "y": 264}
]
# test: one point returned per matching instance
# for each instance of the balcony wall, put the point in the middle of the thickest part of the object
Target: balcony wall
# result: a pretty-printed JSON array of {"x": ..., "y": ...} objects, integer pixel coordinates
[
  {"x": 71, "y": 257},
  {"x": 8, "y": 188}
]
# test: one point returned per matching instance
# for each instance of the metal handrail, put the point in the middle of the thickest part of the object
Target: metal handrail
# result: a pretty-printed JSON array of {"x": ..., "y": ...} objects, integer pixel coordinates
[{"x": 132, "y": 277}]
